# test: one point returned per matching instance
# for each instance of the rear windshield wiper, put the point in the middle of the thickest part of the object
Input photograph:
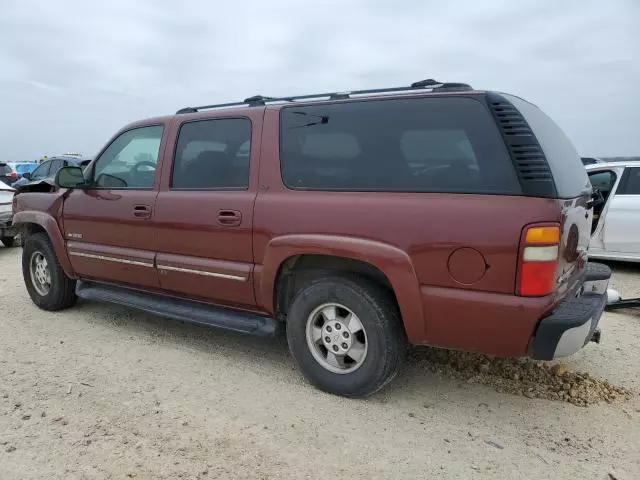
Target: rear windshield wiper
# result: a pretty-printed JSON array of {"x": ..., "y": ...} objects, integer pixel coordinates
[{"x": 322, "y": 119}]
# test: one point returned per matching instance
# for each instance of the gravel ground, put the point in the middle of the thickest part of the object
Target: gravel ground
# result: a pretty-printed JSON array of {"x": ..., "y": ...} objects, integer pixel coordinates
[{"x": 100, "y": 391}]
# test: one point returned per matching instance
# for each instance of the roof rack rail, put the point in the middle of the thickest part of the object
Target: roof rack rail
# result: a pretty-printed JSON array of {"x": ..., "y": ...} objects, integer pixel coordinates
[{"x": 260, "y": 100}]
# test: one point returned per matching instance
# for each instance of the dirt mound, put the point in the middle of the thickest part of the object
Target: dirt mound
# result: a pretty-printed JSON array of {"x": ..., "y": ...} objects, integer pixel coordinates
[{"x": 521, "y": 376}]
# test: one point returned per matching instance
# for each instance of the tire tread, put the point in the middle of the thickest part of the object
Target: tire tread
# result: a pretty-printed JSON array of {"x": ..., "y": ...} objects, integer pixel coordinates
[
  {"x": 387, "y": 317},
  {"x": 63, "y": 289}
]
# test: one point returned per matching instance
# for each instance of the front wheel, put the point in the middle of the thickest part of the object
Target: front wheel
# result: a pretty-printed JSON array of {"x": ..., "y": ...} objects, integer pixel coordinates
[
  {"x": 346, "y": 335},
  {"x": 47, "y": 284}
]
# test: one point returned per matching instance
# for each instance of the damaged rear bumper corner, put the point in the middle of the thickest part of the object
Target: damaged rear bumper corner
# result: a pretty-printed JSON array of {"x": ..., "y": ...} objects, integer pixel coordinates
[{"x": 575, "y": 321}]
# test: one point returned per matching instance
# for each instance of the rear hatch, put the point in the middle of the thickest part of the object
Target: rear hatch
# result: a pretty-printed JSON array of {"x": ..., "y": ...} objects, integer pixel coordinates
[{"x": 549, "y": 166}]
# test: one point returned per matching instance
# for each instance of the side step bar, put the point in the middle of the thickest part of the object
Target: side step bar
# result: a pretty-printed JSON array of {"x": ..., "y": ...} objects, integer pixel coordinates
[{"x": 178, "y": 309}]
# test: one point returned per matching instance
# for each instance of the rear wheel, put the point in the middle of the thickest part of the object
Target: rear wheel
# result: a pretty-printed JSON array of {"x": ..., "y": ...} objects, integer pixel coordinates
[
  {"x": 8, "y": 241},
  {"x": 346, "y": 335},
  {"x": 47, "y": 284}
]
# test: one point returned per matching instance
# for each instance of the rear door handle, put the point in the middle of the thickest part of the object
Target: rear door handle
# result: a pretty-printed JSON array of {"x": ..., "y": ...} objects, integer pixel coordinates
[
  {"x": 142, "y": 211},
  {"x": 229, "y": 218}
]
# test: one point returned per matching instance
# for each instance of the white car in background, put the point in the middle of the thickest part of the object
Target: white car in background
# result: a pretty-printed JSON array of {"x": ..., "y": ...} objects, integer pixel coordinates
[
  {"x": 616, "y": 219},
  {"x": 7, "y": 231}
]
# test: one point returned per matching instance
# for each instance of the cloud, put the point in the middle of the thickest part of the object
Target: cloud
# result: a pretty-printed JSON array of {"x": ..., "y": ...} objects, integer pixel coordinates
[{"x": 72, "y": 72}]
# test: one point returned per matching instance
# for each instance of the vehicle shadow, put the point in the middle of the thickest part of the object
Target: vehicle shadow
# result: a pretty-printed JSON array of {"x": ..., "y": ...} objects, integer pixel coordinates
[
  {"x": 5, "y": 250},
  {"x": 622, "y": 267},
  {"x": 431, "y": 376},
  {"x": 199, "y": 337}
]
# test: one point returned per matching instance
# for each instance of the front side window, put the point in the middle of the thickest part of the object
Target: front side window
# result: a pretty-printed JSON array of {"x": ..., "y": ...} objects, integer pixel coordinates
[
  {"x": 603, "y": 181},
  {"x": 41, "y": 172},
  {"x": 448, "y": 145},
  {"x": 212, "y": 154},
  {"x": 130, "y": 161}
]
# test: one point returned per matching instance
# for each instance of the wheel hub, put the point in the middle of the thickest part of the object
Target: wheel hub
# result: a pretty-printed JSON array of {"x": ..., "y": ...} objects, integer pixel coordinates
[
  {"x": 336, "y": 338},
  {"x": 40, "y": 273}
]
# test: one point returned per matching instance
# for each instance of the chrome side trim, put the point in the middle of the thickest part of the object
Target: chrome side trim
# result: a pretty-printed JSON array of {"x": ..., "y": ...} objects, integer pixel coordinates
[
  {"x": 111, "y": 259},
  {"x": 202, "y": 272},
  {"x": 160, "y": 267}
]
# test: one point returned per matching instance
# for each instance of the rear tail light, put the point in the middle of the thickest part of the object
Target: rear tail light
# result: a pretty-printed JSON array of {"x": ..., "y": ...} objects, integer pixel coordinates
[
  {"x": 13, "y": 176},
  {"x": 539, "y": 262}
]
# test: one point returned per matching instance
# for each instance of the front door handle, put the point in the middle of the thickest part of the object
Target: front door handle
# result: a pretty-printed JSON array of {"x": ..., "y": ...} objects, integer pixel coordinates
[
  {"x": 229, "y": 218},
  {"x": 142, "y": 211}
]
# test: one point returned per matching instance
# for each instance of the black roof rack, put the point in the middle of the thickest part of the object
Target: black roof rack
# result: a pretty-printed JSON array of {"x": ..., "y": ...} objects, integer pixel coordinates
[{"x": 259, "y": 100}]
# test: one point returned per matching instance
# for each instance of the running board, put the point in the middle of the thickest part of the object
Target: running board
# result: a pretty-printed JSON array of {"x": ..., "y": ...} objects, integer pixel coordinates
[{"x": 178, "y": 309}]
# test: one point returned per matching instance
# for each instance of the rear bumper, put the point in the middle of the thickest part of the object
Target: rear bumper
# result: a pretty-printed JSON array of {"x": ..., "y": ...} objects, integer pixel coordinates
[{"x": 572, "y": 324}]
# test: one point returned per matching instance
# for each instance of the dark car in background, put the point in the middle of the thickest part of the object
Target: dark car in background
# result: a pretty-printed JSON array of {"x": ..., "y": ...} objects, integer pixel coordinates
[
  {"x": 48, "y": 169},
  {"x": 7, "y": 174}
]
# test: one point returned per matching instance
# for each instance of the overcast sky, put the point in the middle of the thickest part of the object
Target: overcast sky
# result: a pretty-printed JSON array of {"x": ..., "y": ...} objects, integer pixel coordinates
[{"x": 72, "y": 72}]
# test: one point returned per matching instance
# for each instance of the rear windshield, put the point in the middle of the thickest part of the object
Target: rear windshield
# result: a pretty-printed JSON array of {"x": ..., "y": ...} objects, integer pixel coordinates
[
  {"x": 445, "y": 144},
  {"x": 569, "y": 174},
  {"x": 5, "y": 169}
]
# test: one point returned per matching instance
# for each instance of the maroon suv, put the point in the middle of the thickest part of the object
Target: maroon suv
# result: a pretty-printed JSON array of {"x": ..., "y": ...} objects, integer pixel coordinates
[{"x": 361, "y": 221}]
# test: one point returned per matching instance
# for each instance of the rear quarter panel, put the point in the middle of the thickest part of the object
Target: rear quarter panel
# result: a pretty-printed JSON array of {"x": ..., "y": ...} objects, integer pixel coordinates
[{"x": 428, "y": 228}]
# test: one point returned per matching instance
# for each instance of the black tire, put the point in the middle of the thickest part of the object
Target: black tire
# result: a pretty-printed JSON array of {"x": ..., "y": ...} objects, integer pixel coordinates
[
  {"x": 379, "y": 315},
  {"x": 8, "y": 241},
  {"x": 62, "y": 293}
]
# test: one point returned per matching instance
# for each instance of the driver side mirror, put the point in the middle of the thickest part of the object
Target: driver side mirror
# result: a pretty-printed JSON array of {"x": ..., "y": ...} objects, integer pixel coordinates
[
  {"x": 70, "y": 177},
  {"x": 27, "y": 175}
]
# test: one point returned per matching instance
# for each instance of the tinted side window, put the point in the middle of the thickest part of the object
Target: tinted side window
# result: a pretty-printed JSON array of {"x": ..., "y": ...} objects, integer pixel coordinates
[
  {"x": 130, "y": 160},
  {"x": 567, "y": 168},
  {"x": 400, "y": 145},
  {"x": 213, "y": 154},
  {"x": 603, "y": 181},
  {"x": 41, "y": 172},
  {"x": 630, "y": 183},
  {"x": 55, "y": 166}
]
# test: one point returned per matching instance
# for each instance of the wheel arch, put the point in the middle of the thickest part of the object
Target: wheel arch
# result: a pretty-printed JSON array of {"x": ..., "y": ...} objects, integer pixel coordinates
[
  {"x": 383, "y": 263},
  {"x": 31, "y": 222}
]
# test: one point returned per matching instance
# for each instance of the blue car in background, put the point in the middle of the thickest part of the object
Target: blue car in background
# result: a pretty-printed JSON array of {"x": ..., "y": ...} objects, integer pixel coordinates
[
  {"x": 20, "y": 168},
  {"x": 48, "y": 169},
  {"x": 23, "y": 167}
]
